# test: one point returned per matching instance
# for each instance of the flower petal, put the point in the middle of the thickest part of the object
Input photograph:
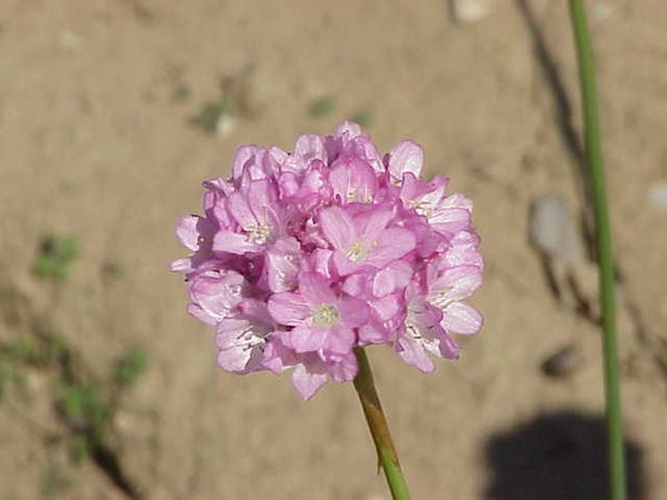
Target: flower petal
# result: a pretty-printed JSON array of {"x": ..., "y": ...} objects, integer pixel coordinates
[
  {"x": 308, "y": 382},
  {"x": 392, "y": 244},
  {"x": 289, "y": 308},
  {"x": 338, "y": 227},
  {"x": 406, "y": 156},
  {"x": 461, "y": 318}
]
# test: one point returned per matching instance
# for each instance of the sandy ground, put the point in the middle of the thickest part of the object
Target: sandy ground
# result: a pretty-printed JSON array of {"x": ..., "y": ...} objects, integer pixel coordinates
[{"x": 96, "y": 141}]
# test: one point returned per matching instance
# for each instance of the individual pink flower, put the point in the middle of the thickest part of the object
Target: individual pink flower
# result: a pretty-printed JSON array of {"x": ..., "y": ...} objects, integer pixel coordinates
[
  {"x": 363, "y": 239},
  {"x": 321, "y": 320}
]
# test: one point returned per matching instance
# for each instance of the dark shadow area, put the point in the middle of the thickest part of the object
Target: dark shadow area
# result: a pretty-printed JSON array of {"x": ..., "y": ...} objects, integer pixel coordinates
[
  {"x": 559, "y": 456},
  {"x": 554, "y": 82},
  {"x": 564, "y": 114}
]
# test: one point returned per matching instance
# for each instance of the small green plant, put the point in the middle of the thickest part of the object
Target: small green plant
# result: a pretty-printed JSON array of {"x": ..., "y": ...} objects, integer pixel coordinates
[
  {"x": 54, "y": 480},
  {"x": 322, "y": 106},
  {"x": 209, "y": 116},
  {"x": 129, "y": 367},
  {"x": 362, "y": 117},
  {"x": 13, "y": 356},
  {"x": 56, "y": 253}
]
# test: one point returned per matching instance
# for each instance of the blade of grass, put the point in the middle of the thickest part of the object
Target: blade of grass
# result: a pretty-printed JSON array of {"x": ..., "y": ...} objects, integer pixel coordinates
[{"x": 616, "y": 452}]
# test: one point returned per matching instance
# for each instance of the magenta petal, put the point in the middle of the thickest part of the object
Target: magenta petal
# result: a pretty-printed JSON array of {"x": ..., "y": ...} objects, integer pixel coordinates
[
  {"x": 289, "y": 308},
  {"x": 462, "y": 318}
]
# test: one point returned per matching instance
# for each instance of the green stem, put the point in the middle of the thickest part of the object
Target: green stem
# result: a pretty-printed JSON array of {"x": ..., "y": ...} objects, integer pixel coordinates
[
  {"x": 604, "y": 249},
  {"x": 377, "y": 423}
]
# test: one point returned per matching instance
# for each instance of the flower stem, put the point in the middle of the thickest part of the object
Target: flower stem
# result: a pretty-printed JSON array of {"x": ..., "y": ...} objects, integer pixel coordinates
[
  {"x": 616, "y": 455},
  {"x": 377, "y": 423}
]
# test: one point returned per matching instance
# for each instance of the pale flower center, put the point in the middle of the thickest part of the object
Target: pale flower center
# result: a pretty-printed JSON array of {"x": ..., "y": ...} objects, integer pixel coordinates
[
  {"x": 360, "y": 251},
  {"x": 422, "y": 207},
  {"x": 326, "y": 315},
  {"x": 259, "y": 234}
]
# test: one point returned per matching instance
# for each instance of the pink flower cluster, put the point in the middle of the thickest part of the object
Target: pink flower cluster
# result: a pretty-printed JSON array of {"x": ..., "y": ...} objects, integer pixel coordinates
[{"x": 301, "y": 257}]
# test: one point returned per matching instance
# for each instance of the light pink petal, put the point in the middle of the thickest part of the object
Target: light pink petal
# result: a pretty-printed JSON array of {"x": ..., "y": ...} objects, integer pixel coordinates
[
  {"x": 304, "y": 339},
  {"x": 181, "y": 265},
  {"x": 237, "y": 204},
  {"x": 347, "y": 130},
  {"x": 406, "y": 156},
  {"x": 345, "y": 370},
  {"x": 353, "y": 312},
  {"x": 338, "y": 227},
  {"x": 363, "y": 146},
  {"x": 187, "y": 232},
  {"x": 240, "y": 342},
  {"x": 278, "y": 357},
  {"x": 447, "y": 347},
  {"x": 457, "y": 200},
  {"x": 397, "y": 275},
  {"x": 343, "y": 265},
  {"x": 462, "y": 318},
  {"x": 450, "y": 219},
  {"x": 389, "y": 306},
  {"x": 414, "y": 355},
  {"x": 307, "y": 383},
  {"x": 227, "y": 241},
  {"x": 356, "y": 284},
  {"x": 282, "y": 265},
  {"x": 371, "y": 224},
  {"x": 320, "y": 262},
  {"x": 310, "y": 147},
  {"x": 373, "y": 333},
  {"x": 201, "y": 314},
  {"x": 339, "y": 341},
  {"x": 458, "y": 282},
  {"x": 353, "y": 181},
  {"x": 245, "y": 156},
  {"x": 392, "y": 244},
  {"x": 316, "y": 289},
  {"x": 289, "y": 308},
  {"x": 262, "y": 199}
]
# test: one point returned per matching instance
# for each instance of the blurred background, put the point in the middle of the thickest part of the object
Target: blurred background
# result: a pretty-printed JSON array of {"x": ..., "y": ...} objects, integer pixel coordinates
[{"x": 112, "y": 112}]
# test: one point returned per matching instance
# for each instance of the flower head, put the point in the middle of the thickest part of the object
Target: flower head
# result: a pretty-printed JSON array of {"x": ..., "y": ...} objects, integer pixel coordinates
[{"x": 301, "y": 257}]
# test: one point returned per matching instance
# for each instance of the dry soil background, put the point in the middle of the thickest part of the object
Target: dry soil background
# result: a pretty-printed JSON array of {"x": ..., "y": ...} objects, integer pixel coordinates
[{"x": 96, "y": 141}]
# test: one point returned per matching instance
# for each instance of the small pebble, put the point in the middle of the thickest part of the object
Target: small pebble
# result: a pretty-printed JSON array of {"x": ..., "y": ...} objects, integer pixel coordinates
[
  {"x": 658, "y": 196},
  {"x": 469, "y": 11},
  {"x": 553, "y": 231},
  {"x": 562, "y": 363}
]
